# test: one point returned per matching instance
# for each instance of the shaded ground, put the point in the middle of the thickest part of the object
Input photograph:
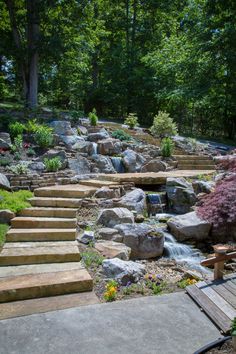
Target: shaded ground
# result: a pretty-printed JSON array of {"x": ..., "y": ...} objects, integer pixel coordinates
[{"x": 168, "y": 324}]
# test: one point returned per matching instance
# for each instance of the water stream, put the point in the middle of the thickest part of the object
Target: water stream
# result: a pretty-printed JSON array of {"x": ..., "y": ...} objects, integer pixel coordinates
[
  {"x": 118, "y": 164},
  {"x": 95, "y": 149}
]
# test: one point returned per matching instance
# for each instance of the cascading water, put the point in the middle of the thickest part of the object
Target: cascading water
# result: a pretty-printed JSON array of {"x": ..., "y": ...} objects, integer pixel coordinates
[
  {"x": 95, "y": 149},
  {"x": 183, "y": 254},
  {"x": 118, "y": 164},
  {"x": 154, "y": 203}
]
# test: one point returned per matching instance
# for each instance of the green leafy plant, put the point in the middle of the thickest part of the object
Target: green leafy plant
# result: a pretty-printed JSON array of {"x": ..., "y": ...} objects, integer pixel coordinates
[
  {"x": 182, "y": 284},
  {"x": 32, "y": 126},
  {"x": 31, "y": 152},
  {"x": 163, "y": 125},
  {"x": 111, "y": 291},
  {"x": 233, "y": 327},
  {"x": 121, "y": 135},
  {"x": 5, "y": 161},
  {"x": 16, "y": 129},
  {"x": 92, "y": 258},
  {"x": 53, "y": 165},
  {"x": 132, "y": 120},
  {"x": 167, "y": 147},
  {"x": 17, "y": 145},
  {"x": 93, "y": 118},
  {"x": 44, "y": 136},
  {"x": 19, "y": 169},
  {"x": 15, "y": 201},
  {"x": 3, "y": 230}
]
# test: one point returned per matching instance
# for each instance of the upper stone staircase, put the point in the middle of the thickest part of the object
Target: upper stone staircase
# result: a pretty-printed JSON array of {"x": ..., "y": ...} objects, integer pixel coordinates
[{"x": 194, "y": 162}]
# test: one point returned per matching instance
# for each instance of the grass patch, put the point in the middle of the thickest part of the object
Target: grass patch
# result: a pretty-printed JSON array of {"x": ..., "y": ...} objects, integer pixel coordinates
[
  {"x": 91, "y": 258},
  {"x": 3, "y": 231},
  {"x": 15, "y": 201}
]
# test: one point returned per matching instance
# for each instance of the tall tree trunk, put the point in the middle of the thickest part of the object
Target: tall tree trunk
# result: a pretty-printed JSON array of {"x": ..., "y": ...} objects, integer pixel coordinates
[{"x": 33, "y": 56}]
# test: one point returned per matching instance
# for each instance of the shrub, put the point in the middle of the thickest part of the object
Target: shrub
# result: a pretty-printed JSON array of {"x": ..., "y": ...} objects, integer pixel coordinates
[
  {"x": 121, "y": 135},
  {"x": 91, "y": 258},
  {"x": 5, "y": 161},
  {"x": 31, "y": 151},
  {"x": 16, "y": 129},
  {"x": 15, "y": 201},
  {"x": 32, "y": 126},
  {"x": 19, "y": 169},
  {"x": 93, "y": 118},
  {"x": 228, "y": 163},
  {"x": 44, "y": 136},
  {"x": 131, "y": 120},
  {"x": 167, "y": 147},
  {"x": 163, "y": 125},
  {"x": 17, "y": 145},
  {"x": 53, "y": 165},
  {"x": 75, "y": 116},
  {"x": 111, "y": 290},
  {"x": 219, "y": 207},
  {"x": 3, "y": 231}
]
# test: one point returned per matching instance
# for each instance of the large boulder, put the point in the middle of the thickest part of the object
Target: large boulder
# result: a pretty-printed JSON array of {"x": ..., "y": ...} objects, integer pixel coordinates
[
  {"x": 203, "y": 187},
  {"x": 98, "y": 135},
  {"x": 155, "y": 165},
  {"x": 4, "y": 183},
  {"x": 37, "y": 166},
  {"x": 111, "y": 249},
  {"x": 180, "y": 194},
  {"x": 109, "y": 234},
  {"x": 145, "y": 241},
  {"x": 62, "y": 127},
  {"x": 132, "y": 161},
  {"x": 5, "y": 141},
  {"x": 109, "y": 147},
  {"x": 80, "y": 165},
  {"x": 85, "y": 147},
  {"x": 123, "y": 271},
  {"x": 6, "y": 216},
  {"x": 50, "y": 154},
  {"x": 134, "y": 200},
  {"x": 108, "y": 193},
  {"x": 189, "y": 227},
  {"x": 103, "y": 164},
  {"x": 115, "y": 216}
]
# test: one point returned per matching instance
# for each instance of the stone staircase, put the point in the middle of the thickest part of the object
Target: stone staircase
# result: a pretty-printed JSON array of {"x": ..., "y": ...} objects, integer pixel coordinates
[
  {"x": 194, "y": 162},
  {"x": 41, "y": 258}
]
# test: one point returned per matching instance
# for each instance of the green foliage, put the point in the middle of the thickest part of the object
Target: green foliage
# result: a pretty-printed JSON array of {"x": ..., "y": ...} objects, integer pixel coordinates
[
  {"x": 52, "y": 165},
  {"x": 31, "y": 152},
  {"x": 75, "y": 116},
  {"x": 167, "y": 147},
  {"x": 93, "y": 118},
  {"x": 5, "y": 161},
  {"x": 17, "y": 146},
  {"x": 163, "y": 125},
  {"x": 3, "y": 230},
  {"x": 32, "y": 126},
  {"x": 15, "y": 201},
  {"x": 16, "y": 129},
  {"x": 111, "y": 291},
  {"x": 92, "y": 258},
  {"x": 44, "y": 136},
  {"x": 233, "y": 327},
  {"x": 131, "y": 120},
  {"x": 19, "y": 169},
  {"x": 121, "y": 135}
]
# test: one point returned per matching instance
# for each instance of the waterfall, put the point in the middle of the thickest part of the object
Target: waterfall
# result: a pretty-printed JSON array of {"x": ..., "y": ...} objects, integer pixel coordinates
[
  {"x": 183, "y": 254},
  {"x": 95, "y": 149},
  {"x": 154, "y": 201},
  {"x": 118, "y": 164}
]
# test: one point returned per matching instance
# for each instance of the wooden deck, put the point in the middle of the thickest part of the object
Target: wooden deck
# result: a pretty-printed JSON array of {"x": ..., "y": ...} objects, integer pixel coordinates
[{"x": 218, "y": 299}]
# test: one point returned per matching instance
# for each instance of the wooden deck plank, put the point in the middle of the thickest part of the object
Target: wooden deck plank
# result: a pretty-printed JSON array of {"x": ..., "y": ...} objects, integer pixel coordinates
[
  {"x": 230, "y": 286},
  {"x": 224, "y": 293},
  {"x": 213, "y": 311},
  {"x": 217, "y": 299}
]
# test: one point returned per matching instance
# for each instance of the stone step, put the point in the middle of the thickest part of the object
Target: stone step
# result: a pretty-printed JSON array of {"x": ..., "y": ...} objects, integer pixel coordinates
[
  {"x": 24, "y": 222},
  {"x": 20, "y": 253},
  {"x": 196, "y": 167},
  {"x": 49, "y": 212},
  {"x": 192, "y": 157},
  {"x": 31, "y": 286},
  {"x": 97, "y": 183},
  {"x": 66, "y": 191},
  {"x": 196, "y": 162},
  {"x": 45, "y": 304},
  {"x": 55, "y": 202},
  {"x": 19, "y": 235}
]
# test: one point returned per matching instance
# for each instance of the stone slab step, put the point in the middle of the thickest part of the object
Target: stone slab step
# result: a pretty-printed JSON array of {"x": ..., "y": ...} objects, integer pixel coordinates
[
  {"x": 196, "y": 163},
  {"x": 97, "y": 183},
  {"x": 55, "y": 202},
  {"x": 66, "y": 191},
  {"x": 46, "y": 304},
  {"x": 196, "y": 167},
  {"x": 192, "y": 157},
  {"x": 9, "y": 271},
  {"x": 19, "y": 235},
  {"x": 49, "y": 212},
  {"x": 24, "y": 222},
  {"x": 31, "y": 286},
  {"x": 20, "y": 253}
]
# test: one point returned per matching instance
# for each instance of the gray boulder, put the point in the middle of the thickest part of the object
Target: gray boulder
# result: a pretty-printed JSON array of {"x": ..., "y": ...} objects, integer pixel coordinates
[
  {"x": 85, "y": 147},
  {"x": 123, "y": 271},
  {"x": 115, "y": 216},
  {"x": 103, "y": 164},
  {"x": 62, "y": 127},
  {"x": 145, "y": 241},
  {"x": 70, "y": 140},
  {"x": 109, "y": 147},
  {"x": 189, "y": 227},
  {"x": 155, "y": 165},
  {"x": 111, "y": 249},
  {"x": 80, "y": 165},
  {"x": 6, "y": 216},
  {"x": 5, "y": 140},
  {"x": 87, "y": 237},
  {"x": 203, "y": 187},
  {"x": 180, "y": 194},
  {"x": 83, "y": 130},
  {"x": 105, "y": 192},
  {"x": 4, "y": 183},
  {"x": 98, "y": 135},
  {"x": 134, "y": 200},
  {"x": 109, "y": 234},
  {"x": 132, "y": 161},
  {"x": 36, "y": 166}
]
